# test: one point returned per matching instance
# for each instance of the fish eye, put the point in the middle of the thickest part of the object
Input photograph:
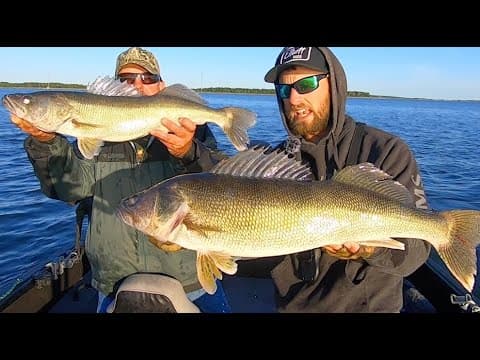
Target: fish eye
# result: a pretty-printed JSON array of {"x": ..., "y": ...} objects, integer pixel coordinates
[
  {"x": 26, "y": 101},
  {"x": 131, "y": 200}
]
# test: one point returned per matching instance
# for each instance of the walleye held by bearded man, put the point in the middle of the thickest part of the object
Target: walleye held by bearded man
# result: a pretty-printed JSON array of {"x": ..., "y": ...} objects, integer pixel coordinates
[
  {"x": 260, "y": 204},
  {"x": 115, "y": 111}
]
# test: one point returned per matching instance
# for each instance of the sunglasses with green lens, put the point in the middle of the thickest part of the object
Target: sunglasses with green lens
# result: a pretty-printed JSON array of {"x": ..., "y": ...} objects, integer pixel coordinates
[{"x": 303, "y": 86}]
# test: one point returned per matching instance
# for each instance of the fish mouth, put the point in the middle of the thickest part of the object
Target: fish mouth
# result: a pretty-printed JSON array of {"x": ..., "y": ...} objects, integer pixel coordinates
[
  {"x": 7, "y": 102},
  {"x": 12, "y": 106}
]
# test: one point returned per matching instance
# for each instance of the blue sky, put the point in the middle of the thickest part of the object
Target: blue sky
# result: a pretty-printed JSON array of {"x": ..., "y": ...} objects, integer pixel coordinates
[{"x": 426, "y": 72}]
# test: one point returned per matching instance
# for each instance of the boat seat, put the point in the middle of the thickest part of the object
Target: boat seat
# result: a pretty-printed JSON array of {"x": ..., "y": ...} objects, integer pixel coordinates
[{"x": 151, "y": 293}]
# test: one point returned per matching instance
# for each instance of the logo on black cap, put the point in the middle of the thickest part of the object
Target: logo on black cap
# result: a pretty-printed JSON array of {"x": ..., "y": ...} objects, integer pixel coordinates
[{"x": 295, "y": 54}]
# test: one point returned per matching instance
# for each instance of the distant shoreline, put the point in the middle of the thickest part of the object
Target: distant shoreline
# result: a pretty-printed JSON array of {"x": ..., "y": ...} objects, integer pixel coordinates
[
  {"x": 216, "y": 90},
  {"x": 221, "y": 90},
  {"x": 242, "y": 91}
]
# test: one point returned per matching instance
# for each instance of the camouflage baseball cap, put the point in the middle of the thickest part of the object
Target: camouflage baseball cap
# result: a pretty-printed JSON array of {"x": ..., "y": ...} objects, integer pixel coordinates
[{"x": 138, "y": 56}]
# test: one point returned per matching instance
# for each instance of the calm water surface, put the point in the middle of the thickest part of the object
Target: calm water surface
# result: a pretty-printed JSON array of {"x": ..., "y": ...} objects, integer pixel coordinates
[{"x": 443, "y": 135}]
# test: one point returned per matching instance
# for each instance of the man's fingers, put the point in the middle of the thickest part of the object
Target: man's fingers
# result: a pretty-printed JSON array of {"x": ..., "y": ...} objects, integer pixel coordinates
[
  {"x": 179, "y": 138},
  {"x": 188, "y": 124},
  {"x": 350, "y": 251},
  {"x": 162, "y": 135},
  {"x": 22, "y": 124},
  {"x": 28, "y": 128},
  {"x": 169, "y": 140},
  {"x": 333, "y": 247},
  {"x": 172, "y": 127},
  {"x": 342, "y": 254},
  {"x": 366, "y": 251},
  {"x": 352, "y": 247}
]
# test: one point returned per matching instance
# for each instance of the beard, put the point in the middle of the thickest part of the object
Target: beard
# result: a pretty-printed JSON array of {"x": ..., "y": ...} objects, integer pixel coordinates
[{"x": 312, "y": 127}]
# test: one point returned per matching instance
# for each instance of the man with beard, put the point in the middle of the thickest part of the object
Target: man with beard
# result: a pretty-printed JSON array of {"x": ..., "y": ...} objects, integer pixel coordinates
[{"x": 311, "y": 90}]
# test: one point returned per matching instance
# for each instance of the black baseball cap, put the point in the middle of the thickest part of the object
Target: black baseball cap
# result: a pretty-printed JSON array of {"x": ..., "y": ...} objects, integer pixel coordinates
[{"x": 309, "y": 57}]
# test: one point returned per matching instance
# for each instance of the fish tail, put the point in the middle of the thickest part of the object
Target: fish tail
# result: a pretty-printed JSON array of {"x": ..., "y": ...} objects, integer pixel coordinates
[
  {"x": 238, "y": 122},
  {"x": 459, "y": 252}
]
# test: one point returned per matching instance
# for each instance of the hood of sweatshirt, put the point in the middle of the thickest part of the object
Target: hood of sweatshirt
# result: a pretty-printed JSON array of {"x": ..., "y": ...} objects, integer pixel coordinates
[{"x": 327, "y": 153}]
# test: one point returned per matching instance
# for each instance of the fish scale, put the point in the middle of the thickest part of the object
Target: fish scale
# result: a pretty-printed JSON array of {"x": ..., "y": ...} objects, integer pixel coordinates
[{"x": 292, "y": 216}]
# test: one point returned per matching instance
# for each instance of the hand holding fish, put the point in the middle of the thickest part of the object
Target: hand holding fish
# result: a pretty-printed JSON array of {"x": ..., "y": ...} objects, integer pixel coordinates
[
  {"x": 179, "y": 138},
  {"x": 32, "y": 130},
  {"x": 350, "y": 251}
]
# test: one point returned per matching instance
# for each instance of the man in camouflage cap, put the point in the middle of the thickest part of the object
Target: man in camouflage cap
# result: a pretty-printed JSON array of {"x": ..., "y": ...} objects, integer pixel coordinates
[
  {"x": 139, "y": 67},
  {"x": 115, "y": 250},
  {"x": 140, "y": 57}
]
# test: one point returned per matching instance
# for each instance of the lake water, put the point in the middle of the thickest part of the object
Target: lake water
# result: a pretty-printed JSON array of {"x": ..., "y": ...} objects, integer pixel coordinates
[{"x": 443, "y": 135}]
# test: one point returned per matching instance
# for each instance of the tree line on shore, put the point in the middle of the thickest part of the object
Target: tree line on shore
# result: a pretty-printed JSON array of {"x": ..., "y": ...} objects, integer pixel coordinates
[
  {"x": 41, "y": 85},
  {"x": 229, "y": 90}
]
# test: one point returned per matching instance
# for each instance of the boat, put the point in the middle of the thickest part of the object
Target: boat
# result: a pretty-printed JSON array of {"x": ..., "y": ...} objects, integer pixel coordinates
[{"x": 64, "y": 287}]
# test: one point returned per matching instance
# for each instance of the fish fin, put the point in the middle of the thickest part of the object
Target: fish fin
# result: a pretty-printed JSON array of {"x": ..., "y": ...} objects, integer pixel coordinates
[
  {"x": 387, "y": 243},
  {"x": 78, "y": 124},
  {"x": 368, "y": 176},
  {"x": 169, "y": 231},
  {"x": 184, "y": 92},
  {"x": 459, "y": 251},
  {"x": 165, "y": 246},
  {"x": 224, "y": 262},
  {"x": 238, "y": 122},
  {"x": 192, "y": 225},
  {"x": 263, "y": 162},
  {"x": 207, "y": 272},
  {"x": 165, "y": 239},
  {"x": 109, "y": 86},
  {"x": 155, "y": 241},
  {"x": 89, "y": 147}
]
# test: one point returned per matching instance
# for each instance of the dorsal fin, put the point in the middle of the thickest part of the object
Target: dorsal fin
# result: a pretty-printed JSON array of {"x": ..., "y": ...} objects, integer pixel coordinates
[
  {"x": 368, "y": 176},
  {"x": 262, "y": 162},
  {"x": 108, "y": 86},
  {"x": 182, "y": 91}
]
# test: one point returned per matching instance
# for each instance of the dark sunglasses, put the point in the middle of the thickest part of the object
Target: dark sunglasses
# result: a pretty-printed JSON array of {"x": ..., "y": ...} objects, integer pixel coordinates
[
  {"x": 303, "y": 86},
  {"x": 146, "y": 78}
]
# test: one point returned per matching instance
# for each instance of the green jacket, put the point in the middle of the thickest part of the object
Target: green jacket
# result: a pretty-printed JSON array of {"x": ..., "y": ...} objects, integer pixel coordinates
[{"x": 113, "y": 248}]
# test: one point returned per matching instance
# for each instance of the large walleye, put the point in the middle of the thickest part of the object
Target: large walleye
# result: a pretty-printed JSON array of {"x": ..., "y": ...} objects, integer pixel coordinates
[
  {"x": 113, "y": 111},
  {"x": 259, "y": 204}
]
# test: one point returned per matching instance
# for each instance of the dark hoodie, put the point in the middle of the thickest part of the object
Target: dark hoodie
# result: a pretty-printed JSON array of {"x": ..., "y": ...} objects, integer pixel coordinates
[{"x": 366, "y": 285}]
